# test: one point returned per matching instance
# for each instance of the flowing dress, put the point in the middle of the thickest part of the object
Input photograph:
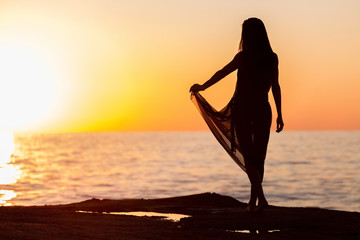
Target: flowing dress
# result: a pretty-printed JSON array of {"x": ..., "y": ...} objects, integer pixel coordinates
[{"x": 220, "y": 124}]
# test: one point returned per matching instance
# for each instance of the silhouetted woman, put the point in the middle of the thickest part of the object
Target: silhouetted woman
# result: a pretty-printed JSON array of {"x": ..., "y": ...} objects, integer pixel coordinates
[{"x": 257, "y": 67}]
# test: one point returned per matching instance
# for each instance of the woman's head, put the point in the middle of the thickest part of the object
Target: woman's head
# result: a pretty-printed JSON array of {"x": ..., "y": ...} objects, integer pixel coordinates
[{"x": 254, "y": 37}]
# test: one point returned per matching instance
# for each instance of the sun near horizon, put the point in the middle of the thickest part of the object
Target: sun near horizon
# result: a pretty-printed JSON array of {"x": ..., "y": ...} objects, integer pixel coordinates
[{"x": 127, "y": 66}]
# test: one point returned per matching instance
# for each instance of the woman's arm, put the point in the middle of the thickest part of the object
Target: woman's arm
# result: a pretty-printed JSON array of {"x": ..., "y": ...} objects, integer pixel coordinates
[
  {"x": 276, "y": 91},
  {"x": 229, "y": 68}
]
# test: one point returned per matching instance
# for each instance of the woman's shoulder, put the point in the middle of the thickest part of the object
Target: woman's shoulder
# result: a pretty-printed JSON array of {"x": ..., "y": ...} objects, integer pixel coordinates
[
  {"x": 275, "y": 57},
  {"x": 240, "y": 56},
  {"x": 244, "y": 56}
]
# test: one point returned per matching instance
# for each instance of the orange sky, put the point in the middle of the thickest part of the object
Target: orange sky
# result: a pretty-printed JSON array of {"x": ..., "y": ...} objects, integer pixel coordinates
[{"x": 105, "y": 65}]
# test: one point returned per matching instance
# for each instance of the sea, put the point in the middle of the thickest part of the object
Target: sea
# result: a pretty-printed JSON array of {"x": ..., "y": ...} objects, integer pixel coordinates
[{"x": 302, "y": 168}]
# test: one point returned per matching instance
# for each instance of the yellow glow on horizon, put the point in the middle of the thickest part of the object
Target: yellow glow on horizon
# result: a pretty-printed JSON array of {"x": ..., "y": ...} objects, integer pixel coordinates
[{"x": 128, "y": 65}]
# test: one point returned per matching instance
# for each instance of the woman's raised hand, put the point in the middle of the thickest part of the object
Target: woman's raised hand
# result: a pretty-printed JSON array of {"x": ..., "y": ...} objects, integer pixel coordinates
[{"x": 196, "y": 88}]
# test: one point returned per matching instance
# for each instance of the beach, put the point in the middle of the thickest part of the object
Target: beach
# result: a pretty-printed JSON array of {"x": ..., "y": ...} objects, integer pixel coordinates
[{"x": 210, "y": 216}]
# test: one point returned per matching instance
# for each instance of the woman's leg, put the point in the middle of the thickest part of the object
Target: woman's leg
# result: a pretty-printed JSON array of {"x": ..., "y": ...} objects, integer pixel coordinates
[
  {"x": 257, "y": 192},
  {"x": 261, "y": 128},
  {"x": 244, "y": 135}
]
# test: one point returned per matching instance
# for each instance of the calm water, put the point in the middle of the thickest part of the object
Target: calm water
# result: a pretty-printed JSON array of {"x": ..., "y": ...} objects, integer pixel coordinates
[{"x": 302, "y": 168}]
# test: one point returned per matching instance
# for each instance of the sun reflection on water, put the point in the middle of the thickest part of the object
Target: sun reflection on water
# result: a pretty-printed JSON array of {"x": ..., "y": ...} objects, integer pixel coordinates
[{"x": 9, "y": 173}]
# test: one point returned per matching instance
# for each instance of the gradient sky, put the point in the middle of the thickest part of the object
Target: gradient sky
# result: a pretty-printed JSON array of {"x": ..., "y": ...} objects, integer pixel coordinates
[{"x": 106, "y": 65}]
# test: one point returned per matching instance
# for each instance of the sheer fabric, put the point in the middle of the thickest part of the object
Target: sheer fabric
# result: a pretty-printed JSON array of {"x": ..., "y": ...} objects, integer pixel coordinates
[{"x": 221, "y": 125}]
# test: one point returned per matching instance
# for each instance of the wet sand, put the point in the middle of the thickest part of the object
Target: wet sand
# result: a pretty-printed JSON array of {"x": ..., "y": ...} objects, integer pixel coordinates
[{"x": 213, "y": 216}]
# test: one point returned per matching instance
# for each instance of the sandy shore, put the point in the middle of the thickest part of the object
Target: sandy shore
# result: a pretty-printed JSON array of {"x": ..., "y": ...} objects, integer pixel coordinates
[{"x": 212, "y": 217}]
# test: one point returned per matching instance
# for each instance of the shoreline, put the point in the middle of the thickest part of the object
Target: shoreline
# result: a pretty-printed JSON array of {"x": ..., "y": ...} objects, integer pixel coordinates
[{"x": 212, "y": 216}]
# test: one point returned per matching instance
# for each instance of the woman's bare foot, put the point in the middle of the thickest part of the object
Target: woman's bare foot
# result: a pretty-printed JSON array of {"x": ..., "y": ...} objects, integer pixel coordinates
[
  {"x": 251, "y": 207},
  {"x": 260, "y": 207}
]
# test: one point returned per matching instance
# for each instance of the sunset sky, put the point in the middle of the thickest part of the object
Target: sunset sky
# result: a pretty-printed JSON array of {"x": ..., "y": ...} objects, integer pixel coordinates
[{"x": 86, "y": 65}]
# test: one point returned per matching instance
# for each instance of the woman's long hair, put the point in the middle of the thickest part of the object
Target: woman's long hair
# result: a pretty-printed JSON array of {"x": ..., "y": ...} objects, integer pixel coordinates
[{"x": 254, "y": 38}]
